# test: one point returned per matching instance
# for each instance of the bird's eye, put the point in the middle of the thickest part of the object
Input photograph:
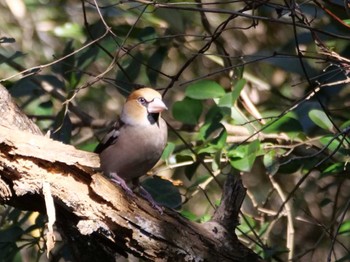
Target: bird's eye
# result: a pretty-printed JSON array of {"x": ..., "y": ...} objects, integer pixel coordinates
[{"x": 142, "y": 100}]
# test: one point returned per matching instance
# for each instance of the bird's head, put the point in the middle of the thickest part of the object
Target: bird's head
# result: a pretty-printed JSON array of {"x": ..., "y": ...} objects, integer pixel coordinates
[{"x": 140, "y": 105}]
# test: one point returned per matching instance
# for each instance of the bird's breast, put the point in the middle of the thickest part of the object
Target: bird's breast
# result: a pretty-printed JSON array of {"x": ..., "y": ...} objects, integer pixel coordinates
[{"x": 135, "y": 152}]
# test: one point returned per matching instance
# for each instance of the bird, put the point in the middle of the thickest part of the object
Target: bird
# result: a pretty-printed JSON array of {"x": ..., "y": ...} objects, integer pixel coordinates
[{"x": 136, "y": 141}]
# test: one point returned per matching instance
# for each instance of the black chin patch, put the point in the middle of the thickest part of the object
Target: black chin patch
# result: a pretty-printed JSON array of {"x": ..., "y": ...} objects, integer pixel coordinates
[{"x": 153, "y": 118}]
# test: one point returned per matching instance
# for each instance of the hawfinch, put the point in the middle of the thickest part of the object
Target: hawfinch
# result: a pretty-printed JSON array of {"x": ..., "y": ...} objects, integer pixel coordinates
[{"x": 137, "y": 140}]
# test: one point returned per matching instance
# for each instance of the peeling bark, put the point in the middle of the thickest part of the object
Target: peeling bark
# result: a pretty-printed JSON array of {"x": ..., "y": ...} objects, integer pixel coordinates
[{"x": 91, "y": 210}]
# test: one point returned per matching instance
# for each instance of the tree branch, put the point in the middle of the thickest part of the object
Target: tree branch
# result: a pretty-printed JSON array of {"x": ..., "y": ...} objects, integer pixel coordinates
[{"x": 90, "y": 207}]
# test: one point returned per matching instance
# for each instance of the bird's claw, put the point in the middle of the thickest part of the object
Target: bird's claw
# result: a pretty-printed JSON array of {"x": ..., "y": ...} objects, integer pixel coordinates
[
  {"x": 145, "y": 194},
  {"x": 121, "y": 182}
]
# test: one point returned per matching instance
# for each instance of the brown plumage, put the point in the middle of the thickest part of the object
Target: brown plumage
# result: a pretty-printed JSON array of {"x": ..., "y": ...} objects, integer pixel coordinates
[{"x": 137, "y": 140}]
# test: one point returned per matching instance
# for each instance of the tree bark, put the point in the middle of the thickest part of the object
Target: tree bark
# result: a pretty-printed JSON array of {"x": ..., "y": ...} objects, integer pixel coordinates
[{"x": 97, "y": 215}]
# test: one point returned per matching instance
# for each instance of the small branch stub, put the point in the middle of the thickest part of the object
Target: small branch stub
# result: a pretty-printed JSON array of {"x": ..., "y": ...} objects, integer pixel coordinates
[{"x": 51, "y": 215}]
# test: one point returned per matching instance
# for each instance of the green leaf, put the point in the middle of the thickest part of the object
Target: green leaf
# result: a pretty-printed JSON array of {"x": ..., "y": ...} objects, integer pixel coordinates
[
  {"x": 187, "y": 111},
  {"x": 39, "y": 107},
  {"x": 163, "y": 192},
  {"x": 67, "y": 67},
  {"x": 62, "y": 127},
  {"x": 190, "y": 170},
  {"x": 169, "y": 149},
  {"x": 220, "y": 141},
  {"x": 205, "y": 89},
  {"x": 28, "y": 86},
  {"x": 214, "y": 114},
  {"x": 225, "y": 104},
  {"x": 216, "y": 164},
  {"x": 212, "y": 146},
  {"x": 87, "y": 57},
  {"x": 205, "y": 218},
  {"x": 237, "y": 89},
  {"x": 344, "y": 125},
  {"x": 270, "y": 162},
  {"x": 225, "y": 101},
  {"x": 334, "y": 144},
  {"x": 346, "y": 21},
  {"x": 320, "y": 118},
  {"x": 243, "y": 156},
  {"x": 212, "y": 123},
  {"x": 207, "y": 129},
  {"x": 345, "y": 228},
  {"x": 335, "y": 169},
  {"x": 264, "y": 228},
  {"x": 69, "y": 30},
  {"x": 288, "y": 123},
  {"x": 148, "y": 33},
  {"x": 185, "y": 155},
  {"x": 239, "y": 118},
  {"x": 207, "y": 149},
  {"x": 246, "y": 226},
  {"x": 88, "y": 146},
  {"x": 189, "y": 215},
  {"x": 215, "y": 144}
]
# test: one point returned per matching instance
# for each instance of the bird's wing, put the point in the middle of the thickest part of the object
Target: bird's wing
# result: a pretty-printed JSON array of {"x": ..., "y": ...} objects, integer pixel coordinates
[{"x": 110, "y": 138}]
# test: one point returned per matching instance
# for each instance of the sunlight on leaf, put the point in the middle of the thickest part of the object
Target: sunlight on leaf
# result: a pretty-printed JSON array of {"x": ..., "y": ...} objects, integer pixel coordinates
[
  {"x": 345, "y": 228},
  {"x": 205, "y": 89},
  {"x": 335, "y": 169},
  {"x": 69, "y": 30},
  {"x": 243, "y": 156},
  {"x": 320, "y": 119},
  {"x": 189, "y": 215},
  {"x": 168, "y": 151}
]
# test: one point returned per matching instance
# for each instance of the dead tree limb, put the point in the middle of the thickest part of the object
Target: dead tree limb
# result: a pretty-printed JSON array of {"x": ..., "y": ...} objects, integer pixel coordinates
[{"x": 90, "y": 206}]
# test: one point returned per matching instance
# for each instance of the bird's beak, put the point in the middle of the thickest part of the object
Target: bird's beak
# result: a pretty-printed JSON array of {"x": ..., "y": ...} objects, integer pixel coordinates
[{"x": 156, "y": 106}]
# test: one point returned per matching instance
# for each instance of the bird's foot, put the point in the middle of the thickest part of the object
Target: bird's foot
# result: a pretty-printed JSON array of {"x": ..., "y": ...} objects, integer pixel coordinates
[
  {"x": 145, "y": 194},
  {"x": 121, "y": 182}
]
